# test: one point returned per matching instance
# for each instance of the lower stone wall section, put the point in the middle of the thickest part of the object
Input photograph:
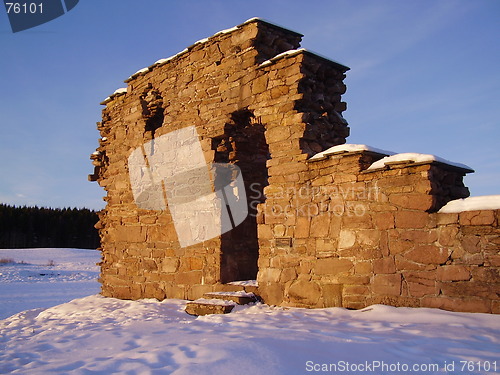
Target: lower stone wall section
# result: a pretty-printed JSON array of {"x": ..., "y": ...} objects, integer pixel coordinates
[
  {"x": 451, "y": 264},
  {"x": 356, "y": 238}
]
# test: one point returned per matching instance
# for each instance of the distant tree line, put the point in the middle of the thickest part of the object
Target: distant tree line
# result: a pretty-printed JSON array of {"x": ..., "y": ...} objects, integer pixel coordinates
[{"x": 24, "y": 227}]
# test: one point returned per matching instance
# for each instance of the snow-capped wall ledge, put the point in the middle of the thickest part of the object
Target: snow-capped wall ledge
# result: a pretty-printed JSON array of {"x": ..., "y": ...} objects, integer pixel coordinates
[
  {"x": 118, "y": 92},
  {"x": 304, "y": 51},
  {"x": 203, "y": 41},
  {"x": 347, "y": 148},
  {"x": 410, "y": 158},
  {"x": 289, "y": 53},
  {"x": 485, "y": 202}
]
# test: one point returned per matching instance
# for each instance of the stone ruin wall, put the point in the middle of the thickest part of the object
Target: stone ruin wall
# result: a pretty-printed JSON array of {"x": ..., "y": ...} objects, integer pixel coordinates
[
  {"x": 355, "y": 237},
  {"x": 269, "y": 119},
  {"x": 240, "y": 110}
]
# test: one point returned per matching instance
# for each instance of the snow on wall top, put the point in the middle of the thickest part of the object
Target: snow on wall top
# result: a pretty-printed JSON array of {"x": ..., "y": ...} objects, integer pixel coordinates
[
  {"x": 222, "y": 32},
  {"x": 294, "y": 52},
  {"x": 345, "y": 148},
  {"x": 117, "y": 92},
  {"x": 410, "y": 157},
  {"x": 163, "y": 61},
  {"x": 201, "y": 41},
  {"x": 289, "y": 53},
  {"x": 485, "y": 202}
]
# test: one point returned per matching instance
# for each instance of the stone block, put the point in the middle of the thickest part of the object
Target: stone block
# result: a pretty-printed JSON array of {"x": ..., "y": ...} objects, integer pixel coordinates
[
  {"x": 353, "y": 279},
  {"x": 197, "y": 291},
  {"x": 383, "y": 220},
  {"x": 446, "y": 219},
  {"x": 420, "y": 202},
  {"x": 362, "y": 253},
  {"x": 471, "y": 244},
  {"x": 394, "y": 301},
  {"x": 269, "y": 275},
  {"x": 354, "y": 302},
  {"x": 489, "y": 275},
  {"x": 457, "y": 304},
  {"x": 153, "y": 290},
  {"x": 195, "y": 263},
  {"x": 425, "y": 236},
  {"x": 384, "y": 265},
  {"x": 200, "y": 307},
  {"x": 288, "y": 274},
  {"x": 136, "y": 292},
  {"x": 332, "y": 266},
  {"x": 114, "y": 280},
  {"x": 447, "y": 235},
  {"x": 411, "y": 219},
  {"x": 363, "y": 268},
  {"x": 477, "y": 218},
  {"x": 356, "y": 216},
  {"x": 332, "y": 295},
  {"x": 494, "y": 260},
  {"x": 356, "y": 290},
  {"x": 265, "y": 231},
  {"x": 387, "y": 284},
  {"x": 271, "y": 293},
  {"x": 453, "y": 273},
  {"x": 188, "y": 278},
  {"x": 399, "y": 179},
  {"x": 120, "y": 292},
  {"x": 277, "y": 134},
  {"x": 368, "y": 237},
  {"x": 428, "y": 254},
  {"x": 470, "y": 288},
  {"x": 131, "y": 233},
  {"x": 304, "y": 292},
  {"x": 260, "y": 84},
  {"x": 174, "y": 290},
  {"x": 426, "y": 277},
  {"x": 397, "y": 246},
  {"x": 320, "y": 225},
  {"x": 158, "y": 233},
  {"x": 149, "y": 265},
  {"x": 472, "y": 259},
  {"x": 279, "y": 230},
  {"x": 325, "y": 247},
  {"x": 495, "y": 307},
  {"x": 302, "y": 227},
  {"x": 421, "y": 290},
  {"x": 347, "y": 239},
  {"x": 321, "y": 181}
]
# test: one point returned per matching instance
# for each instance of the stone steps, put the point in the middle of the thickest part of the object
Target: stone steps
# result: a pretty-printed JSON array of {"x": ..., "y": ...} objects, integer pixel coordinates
[
  {"x": 204, "y": 306},
  {"x": 219, "y": 302},
  {"x": 241, "y": 297}
]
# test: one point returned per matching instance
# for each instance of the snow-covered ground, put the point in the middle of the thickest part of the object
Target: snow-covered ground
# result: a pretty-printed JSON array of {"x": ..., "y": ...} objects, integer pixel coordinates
[
  {"x": 45, "y": 277},
  {"x": 97, "y": 335}
]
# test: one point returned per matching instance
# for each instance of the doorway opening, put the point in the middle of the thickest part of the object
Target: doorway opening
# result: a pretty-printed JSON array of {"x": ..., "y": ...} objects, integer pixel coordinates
[{"x": 243, "y": 144}]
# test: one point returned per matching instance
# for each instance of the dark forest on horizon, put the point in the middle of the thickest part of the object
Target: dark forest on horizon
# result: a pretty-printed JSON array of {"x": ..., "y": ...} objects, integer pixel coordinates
[{"x": 32, "y": 226}]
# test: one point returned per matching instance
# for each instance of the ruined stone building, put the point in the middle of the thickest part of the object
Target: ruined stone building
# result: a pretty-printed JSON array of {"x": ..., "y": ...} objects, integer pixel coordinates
[{"x": 328, "y": 224}]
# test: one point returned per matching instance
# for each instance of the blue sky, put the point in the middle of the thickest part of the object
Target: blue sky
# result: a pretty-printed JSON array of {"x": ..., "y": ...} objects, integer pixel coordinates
[{"x": 424, "y": 78}]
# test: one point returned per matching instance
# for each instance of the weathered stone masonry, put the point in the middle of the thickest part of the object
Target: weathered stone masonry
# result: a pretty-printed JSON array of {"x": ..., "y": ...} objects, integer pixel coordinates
[{"x": 322, "y": 231}]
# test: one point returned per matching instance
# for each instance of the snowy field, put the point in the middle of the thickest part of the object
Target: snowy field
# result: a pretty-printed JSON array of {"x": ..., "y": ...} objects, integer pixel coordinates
[
  {"x": 45, "y": 277},
  {"x": 97, "y": 335}
]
